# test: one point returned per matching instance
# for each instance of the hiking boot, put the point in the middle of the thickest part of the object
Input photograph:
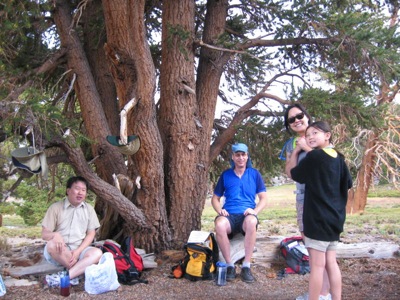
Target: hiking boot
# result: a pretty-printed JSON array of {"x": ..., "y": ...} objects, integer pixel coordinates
[
  {"x": 230, "y": 273},
  {"x": 246, "y": 275}
]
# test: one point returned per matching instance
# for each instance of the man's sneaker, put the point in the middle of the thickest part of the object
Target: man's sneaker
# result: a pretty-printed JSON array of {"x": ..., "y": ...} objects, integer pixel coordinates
[
  {"x": 230, "y": 273},
  {"x": 305, "y": 297},
  {"x": 246, "y": 275}
]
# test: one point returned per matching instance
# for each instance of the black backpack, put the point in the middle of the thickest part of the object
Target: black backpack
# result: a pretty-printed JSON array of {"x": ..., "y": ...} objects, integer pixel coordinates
[{"x": 295, "y": 254}]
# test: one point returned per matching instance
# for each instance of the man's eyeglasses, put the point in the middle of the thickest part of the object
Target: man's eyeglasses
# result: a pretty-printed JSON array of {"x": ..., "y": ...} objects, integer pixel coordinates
[{"x": 299, "y": 116}]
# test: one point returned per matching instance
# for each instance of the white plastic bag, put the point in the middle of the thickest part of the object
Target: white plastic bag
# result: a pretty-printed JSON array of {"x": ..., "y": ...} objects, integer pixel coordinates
[
  {"x": 2, "y": 287},
  {"x": 101, "y": 278}
]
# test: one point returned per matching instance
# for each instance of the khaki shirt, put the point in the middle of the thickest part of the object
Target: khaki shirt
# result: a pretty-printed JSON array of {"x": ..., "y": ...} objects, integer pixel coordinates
[{"x": 72, "y": 222}]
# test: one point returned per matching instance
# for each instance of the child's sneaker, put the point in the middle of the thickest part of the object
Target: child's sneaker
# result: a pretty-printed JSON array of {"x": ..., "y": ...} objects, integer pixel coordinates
[
  {"x": 327, "y": 297},
  {"x": 305, "y": 297}
]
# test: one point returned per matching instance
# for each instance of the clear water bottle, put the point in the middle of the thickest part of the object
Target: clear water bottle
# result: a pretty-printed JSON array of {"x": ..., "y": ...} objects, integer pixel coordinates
[
  {"x": 221, "y": 273},
  {"x": 65, "y": 283}
]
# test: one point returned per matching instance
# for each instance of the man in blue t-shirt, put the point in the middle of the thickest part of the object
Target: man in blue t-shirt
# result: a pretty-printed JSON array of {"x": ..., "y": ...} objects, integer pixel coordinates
[{"x": 238, "y": 214}]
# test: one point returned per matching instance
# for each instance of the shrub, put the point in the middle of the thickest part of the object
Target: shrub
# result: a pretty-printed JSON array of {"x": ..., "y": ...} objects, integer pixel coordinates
[
  {"x": 7, "y": 208},
  {"x": 32, "y": 211}
]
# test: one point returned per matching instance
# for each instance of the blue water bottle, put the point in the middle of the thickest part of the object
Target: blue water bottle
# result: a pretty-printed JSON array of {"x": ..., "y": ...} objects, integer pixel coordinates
[{"x": 64, "y": 283}]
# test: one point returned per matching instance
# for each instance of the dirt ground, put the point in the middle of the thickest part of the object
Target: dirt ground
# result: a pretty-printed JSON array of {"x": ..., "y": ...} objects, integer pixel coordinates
[{"x": 362, "y": 279}]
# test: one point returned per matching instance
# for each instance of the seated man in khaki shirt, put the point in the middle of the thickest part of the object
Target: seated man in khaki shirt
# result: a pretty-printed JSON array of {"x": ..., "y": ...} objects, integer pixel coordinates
[{"x": 69, "y": 227}]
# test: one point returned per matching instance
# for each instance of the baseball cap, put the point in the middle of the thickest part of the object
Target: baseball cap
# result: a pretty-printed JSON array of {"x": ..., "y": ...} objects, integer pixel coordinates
[{"x": 239, "y": 147}]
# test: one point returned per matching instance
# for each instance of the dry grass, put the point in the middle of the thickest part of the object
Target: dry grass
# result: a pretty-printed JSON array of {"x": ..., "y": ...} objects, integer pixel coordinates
[{"x": 4, "y": 246}]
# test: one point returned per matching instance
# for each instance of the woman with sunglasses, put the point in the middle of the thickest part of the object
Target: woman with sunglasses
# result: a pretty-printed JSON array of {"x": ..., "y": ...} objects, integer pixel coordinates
[{"x": 296, "y": 121}]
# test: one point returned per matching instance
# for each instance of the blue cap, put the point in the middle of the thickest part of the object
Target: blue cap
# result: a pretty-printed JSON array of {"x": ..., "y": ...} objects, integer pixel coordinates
[{"x": 239, "y": 147}]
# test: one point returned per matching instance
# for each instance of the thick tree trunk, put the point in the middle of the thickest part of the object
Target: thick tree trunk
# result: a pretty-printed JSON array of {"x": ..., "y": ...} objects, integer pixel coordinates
[
  {"x": 177, "y": 116},
  {"x": 108, "y": 161},
  {"x": 95, "y": 38},
  {"x": 133, "y": 73}
]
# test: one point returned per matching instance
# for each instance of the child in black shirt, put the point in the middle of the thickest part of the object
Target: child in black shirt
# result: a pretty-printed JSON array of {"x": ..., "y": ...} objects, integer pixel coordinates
[{"x": 327, "y": 181}]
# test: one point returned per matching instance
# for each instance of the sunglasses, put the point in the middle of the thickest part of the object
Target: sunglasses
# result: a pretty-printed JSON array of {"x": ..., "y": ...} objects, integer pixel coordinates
[{"x": 299, "y": 116}]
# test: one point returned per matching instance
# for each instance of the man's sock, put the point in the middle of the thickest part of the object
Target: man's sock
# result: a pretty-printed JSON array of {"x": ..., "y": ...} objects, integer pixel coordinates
[{"x": 245, "y": 264}]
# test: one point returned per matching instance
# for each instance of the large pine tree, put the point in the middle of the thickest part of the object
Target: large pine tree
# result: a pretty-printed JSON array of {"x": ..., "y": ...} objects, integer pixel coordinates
[{"x": 75, "y": 65}]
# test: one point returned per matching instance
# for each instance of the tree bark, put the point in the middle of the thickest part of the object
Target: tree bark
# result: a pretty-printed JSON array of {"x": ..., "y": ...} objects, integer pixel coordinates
[
  {"x": 177, "y": 113},
  {"x": 110, "y": 193},
  {"x": 133, "y": 73},
  {"x": 109, "y": 161},
  {"x": 94, "y": 34},
  {"x": 364, "y": 177}
]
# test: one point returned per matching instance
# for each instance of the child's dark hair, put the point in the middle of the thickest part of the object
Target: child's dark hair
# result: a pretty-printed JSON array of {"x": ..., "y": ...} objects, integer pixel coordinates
[
  {"x": 324, "y": 127},
  {"x": 75, "y": 179},
  {"x": 286, "y": 115}
]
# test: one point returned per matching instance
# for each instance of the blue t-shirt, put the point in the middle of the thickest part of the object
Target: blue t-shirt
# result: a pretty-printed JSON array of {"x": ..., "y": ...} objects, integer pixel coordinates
[{"x": 240, "y": 193}]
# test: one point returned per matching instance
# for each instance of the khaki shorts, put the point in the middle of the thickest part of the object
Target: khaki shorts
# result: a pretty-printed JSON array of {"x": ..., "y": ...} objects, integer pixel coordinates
[{"x": 320, "y": 245}]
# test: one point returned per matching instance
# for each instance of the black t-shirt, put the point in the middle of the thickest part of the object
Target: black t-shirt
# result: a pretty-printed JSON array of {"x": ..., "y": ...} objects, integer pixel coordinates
[{"x": 327, "y": 181}]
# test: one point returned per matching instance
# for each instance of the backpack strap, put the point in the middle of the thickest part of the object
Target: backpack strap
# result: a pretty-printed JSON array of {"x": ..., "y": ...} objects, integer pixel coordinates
[{"x": 215, "y": 249}]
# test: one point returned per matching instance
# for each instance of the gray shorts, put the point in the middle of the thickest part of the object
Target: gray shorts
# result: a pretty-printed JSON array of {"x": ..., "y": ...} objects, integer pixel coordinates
[
  {"x": 320, "y": 245},
  {"x": 50, "y": 259}
]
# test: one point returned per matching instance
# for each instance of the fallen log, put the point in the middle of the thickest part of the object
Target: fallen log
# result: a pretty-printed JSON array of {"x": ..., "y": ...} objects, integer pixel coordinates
[
  {"x": 41, "y": 268},
  {"x": 267, "y": 250},
  {"x": 44, "y": 267}
]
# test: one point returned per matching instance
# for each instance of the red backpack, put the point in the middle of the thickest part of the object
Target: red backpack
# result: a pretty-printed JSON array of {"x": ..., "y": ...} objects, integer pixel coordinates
[
  {"x": 295, "y": 255},
  {"x": 128, "y": 263}
]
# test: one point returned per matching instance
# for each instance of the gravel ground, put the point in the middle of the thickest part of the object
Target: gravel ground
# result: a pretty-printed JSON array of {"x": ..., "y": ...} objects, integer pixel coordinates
[{"x": 362, "y": 279}]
